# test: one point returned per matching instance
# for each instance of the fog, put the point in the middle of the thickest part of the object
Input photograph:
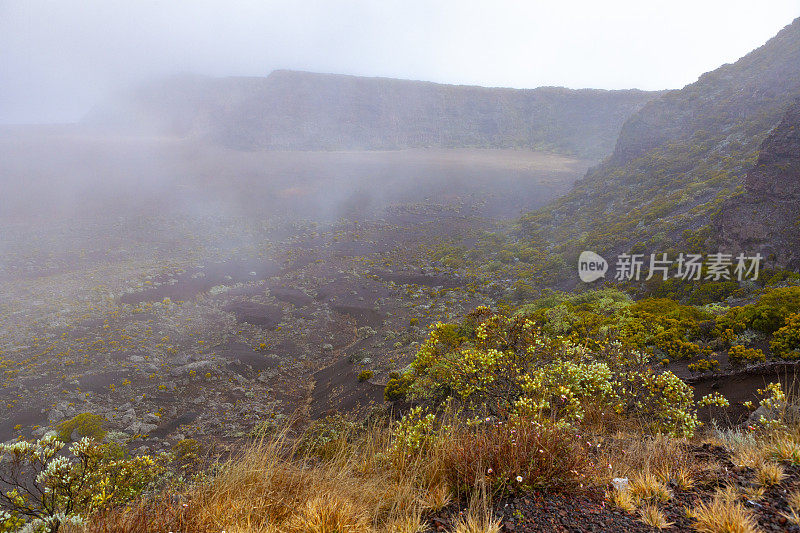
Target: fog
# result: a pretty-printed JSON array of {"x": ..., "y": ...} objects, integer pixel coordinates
[
  {"x": 68, "y": 188},
  {"x": 196, "y": 241},
  {"x": 57, "y": 59}
]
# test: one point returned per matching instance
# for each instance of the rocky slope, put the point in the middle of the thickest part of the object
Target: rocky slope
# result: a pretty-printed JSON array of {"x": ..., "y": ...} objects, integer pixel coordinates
[
  {"x": 677, "y": 160},
  {"x": 306, "y": 111},
  {"x": 766, "y": 216}
]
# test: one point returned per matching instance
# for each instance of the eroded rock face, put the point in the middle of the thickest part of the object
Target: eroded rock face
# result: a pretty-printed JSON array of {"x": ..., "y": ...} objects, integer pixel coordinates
[
  {"x": 766, "y": 218},
  {"x": 777, "y": 171}
]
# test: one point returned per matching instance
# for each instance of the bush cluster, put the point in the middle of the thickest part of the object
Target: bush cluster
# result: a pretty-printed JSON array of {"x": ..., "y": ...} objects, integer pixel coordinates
[
  {"x": 741, "y": 355},
  {"x": 786, "y": 341},
  {"x": 509, "y": 368}
]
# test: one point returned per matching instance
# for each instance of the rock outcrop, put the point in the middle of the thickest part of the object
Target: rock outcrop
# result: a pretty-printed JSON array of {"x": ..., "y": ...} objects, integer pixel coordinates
[
  {"x": 766, "y": 217},
  {"x": 678, "y": 159}
]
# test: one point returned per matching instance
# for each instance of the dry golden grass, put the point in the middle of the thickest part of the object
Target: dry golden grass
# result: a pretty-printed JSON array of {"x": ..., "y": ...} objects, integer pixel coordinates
[
  {"x": 748, "y": 456},
  {"x": 355, "y": 486},
  {"x": 723, "y": 514},
  {"x": 436, "y": 498},
  {"x": 474, "y": 523},
  {"x": 667, "y": 459},
  {"x": 478, "y": 518},
  {"x": 653, "y": 517},
  {"x": 793, "y": 500},
  {"x": 769, "y": 474},
  {"x": 646, "y": 487},
  {"x": 746, "y": 450},
  {"x": 408, "y": 523},
  {"x": 635, "y": 453},
  {"x": 784, "y": 449},
  {"x": 271, "y": 487},
  {"x": 621, "y": 499},
  {"x": 683, "y": 477},
  {"x": 326, "y": 514},
  {"x": 753, "y": 492}
]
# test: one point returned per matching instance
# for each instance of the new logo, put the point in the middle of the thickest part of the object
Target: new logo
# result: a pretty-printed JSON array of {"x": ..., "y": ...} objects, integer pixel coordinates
[{"x": 591, "y": 267}]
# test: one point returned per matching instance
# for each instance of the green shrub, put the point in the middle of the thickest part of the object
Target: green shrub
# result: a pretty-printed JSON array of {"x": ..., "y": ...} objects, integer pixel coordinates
[
  {"x": 510, "y": 369},
  {"x": 48, "y": 489},
  {"x": 412, "y": 435},
  {"x": 662, "y": 401},
  {"x": 741, "y": 355},
  {"x": 327, "y": 435},
  {"x": 187, "y": 454},
  {"x": 667, "y": 308},
  {"x": 85, "y": 424},
  {"x": 770, "y": 313},
  {"x": 365, "y": 375},
  {"x": 712, "y": 291},
  {"x": 767, "y": 315},
  {"x": 676, "y": 348},
  {"x": 266, "y": 428},
  {"x": 786, "y": 341},
  {"x": 774, "y": 403},
  {"x": 397, "y": 387}
]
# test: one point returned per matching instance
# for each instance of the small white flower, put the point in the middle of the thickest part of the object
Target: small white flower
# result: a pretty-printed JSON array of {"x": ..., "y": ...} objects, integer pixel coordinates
[{"x": 519, "y": 479}]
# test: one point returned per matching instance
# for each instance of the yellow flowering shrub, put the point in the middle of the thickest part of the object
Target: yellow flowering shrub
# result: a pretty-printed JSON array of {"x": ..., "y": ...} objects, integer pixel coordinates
[
  {"x": 510, "y": 368},
  {"x": 740, "y": 355},
  {"x": 786, "y": 341}
]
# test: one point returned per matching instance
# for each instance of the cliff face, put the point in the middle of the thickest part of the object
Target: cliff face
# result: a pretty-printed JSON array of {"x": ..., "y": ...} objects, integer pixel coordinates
[
  {"x": 678, "y": 159},
  {"x": 719, "y": 99},
  {"x": 305, "y": 111},
  {"x": 766, "y": 217},
  {"x": 777, "y": 171}
]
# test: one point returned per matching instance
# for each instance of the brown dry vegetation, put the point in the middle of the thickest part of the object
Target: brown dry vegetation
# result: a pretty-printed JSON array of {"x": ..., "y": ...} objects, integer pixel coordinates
[{"x": 357, "y": 485}]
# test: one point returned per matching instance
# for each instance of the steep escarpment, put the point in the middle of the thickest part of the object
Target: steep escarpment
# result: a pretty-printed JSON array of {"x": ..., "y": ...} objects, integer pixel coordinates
[
  {"x": 766, "y": 217},
  {"x": 678, "y": 159},
  {"x": 290, "y": 110}
]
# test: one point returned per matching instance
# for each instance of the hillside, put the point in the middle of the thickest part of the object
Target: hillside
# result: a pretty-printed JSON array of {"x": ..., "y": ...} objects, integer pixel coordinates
[
  {"x": 765, "y": 217},
  {"x": 290, "y": 110},
  {"x": 678, "y": 159}
]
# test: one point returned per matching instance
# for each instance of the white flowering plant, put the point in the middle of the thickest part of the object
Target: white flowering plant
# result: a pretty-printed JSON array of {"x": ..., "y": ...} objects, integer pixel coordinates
[
  {"x": 412, "y": 435},
  {"x": 44, "y": 485},
  {"x": 774, "y": 405}
]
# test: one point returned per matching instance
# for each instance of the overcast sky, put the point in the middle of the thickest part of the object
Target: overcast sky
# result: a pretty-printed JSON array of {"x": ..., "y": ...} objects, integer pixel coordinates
[{"x": 57, "y": 58}]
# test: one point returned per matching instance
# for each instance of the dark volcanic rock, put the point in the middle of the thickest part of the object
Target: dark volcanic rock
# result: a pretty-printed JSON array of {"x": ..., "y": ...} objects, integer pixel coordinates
[
  {"x": 765, "y": 218},
  {"x": 777, "y": 172},
  {"x": 267, "y": 316}
]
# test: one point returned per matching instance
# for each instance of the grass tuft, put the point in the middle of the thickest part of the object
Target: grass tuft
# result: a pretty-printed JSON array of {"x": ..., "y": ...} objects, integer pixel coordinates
[
  {"x": 723, "y": 514},
  {"x": 648, "y": 488},
  {"x": 769, "y": 474},
  {"x": 328, "y": 514},
  {"x": 653, "y": 517}
]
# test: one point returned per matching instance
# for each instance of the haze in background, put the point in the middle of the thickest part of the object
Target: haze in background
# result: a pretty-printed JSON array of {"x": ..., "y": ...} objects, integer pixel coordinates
[{"x": 57, "y": 59}]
